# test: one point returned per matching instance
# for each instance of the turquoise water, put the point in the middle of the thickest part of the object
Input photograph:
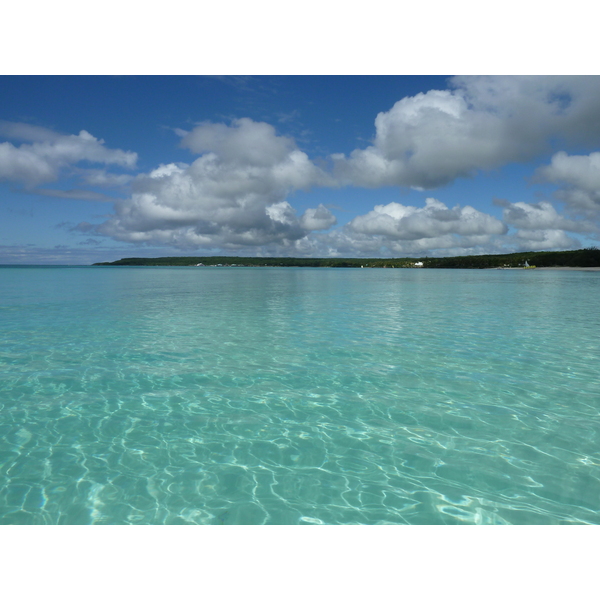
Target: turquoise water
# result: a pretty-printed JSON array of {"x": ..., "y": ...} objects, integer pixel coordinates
[{"x": 299, "y": 396}]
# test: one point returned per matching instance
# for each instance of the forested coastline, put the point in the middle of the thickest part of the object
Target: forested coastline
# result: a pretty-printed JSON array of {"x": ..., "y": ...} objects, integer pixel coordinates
[{"x": 587, "y": 257}]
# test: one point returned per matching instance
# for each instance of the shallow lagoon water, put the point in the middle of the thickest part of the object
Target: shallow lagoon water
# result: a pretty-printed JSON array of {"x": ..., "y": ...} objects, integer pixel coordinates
[{"x": 299, "y": 396}]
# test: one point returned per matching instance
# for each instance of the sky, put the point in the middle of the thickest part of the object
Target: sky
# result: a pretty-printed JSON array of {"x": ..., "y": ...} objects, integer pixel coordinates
[{"x": 97, "y": 168}]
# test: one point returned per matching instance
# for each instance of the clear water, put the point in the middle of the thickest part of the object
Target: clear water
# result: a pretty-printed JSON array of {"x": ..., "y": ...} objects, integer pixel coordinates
[{"x": 298, "y": 396}]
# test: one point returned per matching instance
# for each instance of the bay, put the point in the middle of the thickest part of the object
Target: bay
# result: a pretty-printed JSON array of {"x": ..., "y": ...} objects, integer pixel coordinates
[{"x": 165, "y": 395}]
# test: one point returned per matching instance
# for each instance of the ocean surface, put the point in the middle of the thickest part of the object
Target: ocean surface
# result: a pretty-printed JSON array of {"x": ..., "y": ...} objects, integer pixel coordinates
[{"x": 299, "y": 396}]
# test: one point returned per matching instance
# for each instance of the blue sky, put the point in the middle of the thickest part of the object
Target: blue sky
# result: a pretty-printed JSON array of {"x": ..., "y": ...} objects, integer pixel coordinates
[{"x": 96, "y": 168}]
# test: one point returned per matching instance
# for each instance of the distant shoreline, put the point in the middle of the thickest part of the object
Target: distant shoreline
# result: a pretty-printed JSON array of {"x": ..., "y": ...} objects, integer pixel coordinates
[
  {"x": 567, "y": 269},
  {"x": 545, "y": 268},
  {"x": 587, "y": 258}
]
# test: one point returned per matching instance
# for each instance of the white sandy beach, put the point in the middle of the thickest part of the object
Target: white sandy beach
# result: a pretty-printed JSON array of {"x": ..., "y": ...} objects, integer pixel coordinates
[
  {"x": 551, "y": 268},
  {"x": 567, "y": 268}
]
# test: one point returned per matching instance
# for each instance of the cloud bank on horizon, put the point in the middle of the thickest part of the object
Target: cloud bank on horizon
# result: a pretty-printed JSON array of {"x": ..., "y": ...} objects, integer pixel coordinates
[{"x": 237, "y": 193}]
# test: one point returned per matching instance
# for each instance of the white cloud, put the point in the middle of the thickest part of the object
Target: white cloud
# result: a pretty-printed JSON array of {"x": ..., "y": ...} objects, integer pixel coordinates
[
  {"x": 540, "y": 227},
  {"x": 102, "y": 178},
  {"x": 246, "y": 142},
  {"x": 233, "y": 195},
  {"x": 42, "y": 160},
  {"x": 580, "y": 171},
  {"x": 27, "y": 133},
  {"x": 25, "y": 166},
  {"x": 236, "y": 194},
  {"x": 428, "y": 140},
  {"x": 540, "y": 216},
  {"x": 398, "y": 222},
  {"x": 397, "y": 230},
  {"x": 319, "y": 218},
  {"x": 579, "y": 177},
  {"x": 548, "y": 239},
  {"x": 346, "y": 243}
]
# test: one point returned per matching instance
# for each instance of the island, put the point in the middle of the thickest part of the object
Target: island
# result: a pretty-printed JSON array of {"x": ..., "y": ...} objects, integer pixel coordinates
[{"x": 584, "y": 258}]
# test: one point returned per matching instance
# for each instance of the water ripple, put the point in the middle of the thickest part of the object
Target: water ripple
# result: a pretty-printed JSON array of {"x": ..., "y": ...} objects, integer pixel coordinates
[{"x": 294, "y": 396}]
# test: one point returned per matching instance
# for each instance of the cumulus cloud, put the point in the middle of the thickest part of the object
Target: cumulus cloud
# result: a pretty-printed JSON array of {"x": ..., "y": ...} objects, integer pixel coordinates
[
  {"x": 540, "y": 216},
  {"x": 246, "y": 143},
  {"x": 547, "y": 239},
  {"x": 318, "y": 218},
  {"x": 428, "y": 140},
  {"x": 233, "y": 195},
  {"x": 579, "y": 178},
  {"x": 346, "y": 242},
  {"x": 397, "y": 230},
  {"x": 399, "y": 222},
  {"x": 540, "y": 227},
  {"x": 42, "y": 160},
  {"x": 236, "y": 193}
]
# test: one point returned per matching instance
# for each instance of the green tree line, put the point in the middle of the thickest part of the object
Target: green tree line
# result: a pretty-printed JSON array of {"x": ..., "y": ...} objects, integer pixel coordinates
[{"x": 587, "y": 257}]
